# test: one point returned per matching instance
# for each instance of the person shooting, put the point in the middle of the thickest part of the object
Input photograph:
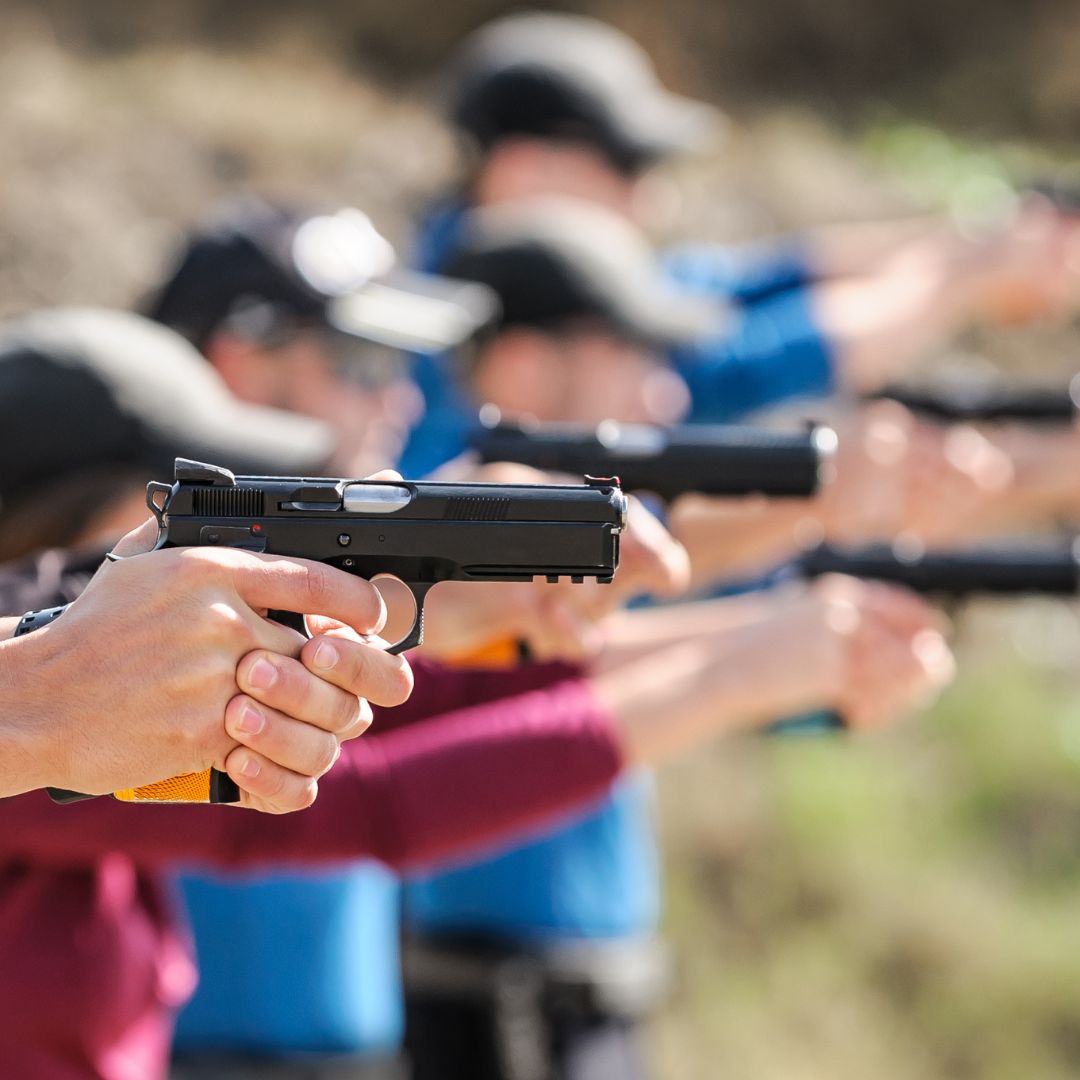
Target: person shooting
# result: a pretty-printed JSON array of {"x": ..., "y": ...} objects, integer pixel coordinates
[
  {"x": 585, "y": 326},
  {"x": 559, "y": 105},
  {"x": 166, "y": 651},
  {"x": 247, "y": 256}
]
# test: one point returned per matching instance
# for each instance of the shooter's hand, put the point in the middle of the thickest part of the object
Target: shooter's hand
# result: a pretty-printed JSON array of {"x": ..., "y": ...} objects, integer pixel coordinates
[{"x": 142, "y": 673}]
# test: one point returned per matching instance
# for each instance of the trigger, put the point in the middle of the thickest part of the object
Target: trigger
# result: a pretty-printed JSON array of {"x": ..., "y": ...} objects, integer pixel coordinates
[{"x": 416, "y": 635}]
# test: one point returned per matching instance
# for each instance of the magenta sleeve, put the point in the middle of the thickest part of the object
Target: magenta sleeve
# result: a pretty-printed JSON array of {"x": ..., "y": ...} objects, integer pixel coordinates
[
  {"x": 440, "y": 689},
  {"x": 452, "y": 785}
]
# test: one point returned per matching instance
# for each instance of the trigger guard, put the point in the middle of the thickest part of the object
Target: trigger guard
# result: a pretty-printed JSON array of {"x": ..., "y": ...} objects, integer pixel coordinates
[
  {"x": 411, "y": 640},
  {"x": 416, "y": 635}
]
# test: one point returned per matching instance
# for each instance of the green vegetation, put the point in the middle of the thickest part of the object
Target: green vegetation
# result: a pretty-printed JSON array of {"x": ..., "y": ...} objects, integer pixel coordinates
[{"x": 900, "y": 906}]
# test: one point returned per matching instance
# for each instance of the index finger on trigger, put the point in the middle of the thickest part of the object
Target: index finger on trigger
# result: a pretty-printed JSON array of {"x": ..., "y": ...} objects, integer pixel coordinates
[{"x": 290, "y": 584}]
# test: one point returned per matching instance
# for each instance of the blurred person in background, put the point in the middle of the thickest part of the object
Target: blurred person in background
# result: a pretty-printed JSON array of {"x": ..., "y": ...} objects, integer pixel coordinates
[
  {"x": 557, "y": 104},
  {"x": 310, "y": 311},
  {"x": 543, "y": 961},
  {"x": 349, "y": 1017},
  {"x": 83, "y": 905},
  {"x": 562, "y": 105}
]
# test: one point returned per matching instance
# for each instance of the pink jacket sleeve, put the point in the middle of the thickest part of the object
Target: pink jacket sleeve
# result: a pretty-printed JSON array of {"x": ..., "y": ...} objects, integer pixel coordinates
[
  {"x": 472, "y": 776},
  {"x": 441, "y": 689}
]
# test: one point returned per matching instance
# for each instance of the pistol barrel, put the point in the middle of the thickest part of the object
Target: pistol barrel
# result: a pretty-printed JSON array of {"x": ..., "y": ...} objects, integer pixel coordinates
[
  {"x": 1048, "y": 568},
  {"x": 710, "y": 459}
]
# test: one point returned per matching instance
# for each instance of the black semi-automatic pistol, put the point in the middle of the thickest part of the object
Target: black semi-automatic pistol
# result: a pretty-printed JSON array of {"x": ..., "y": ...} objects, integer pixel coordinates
[
  {"x": 710, "y": 459},
  {"x": 1037, "y": 568},
  {"x": 419, "y": 532},
  {"x": 1048, "y": 568},
  {"x": 976, "y": 399}
]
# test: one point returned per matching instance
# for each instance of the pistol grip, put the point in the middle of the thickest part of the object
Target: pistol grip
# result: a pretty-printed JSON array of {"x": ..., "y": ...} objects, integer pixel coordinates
[
  {"x": 209, "y": 786},
  {"x": 826, "y": 722}
]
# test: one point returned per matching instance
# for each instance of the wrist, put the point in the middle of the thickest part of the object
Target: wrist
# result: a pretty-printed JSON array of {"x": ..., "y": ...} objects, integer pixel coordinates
[
  {"x": 30, "y": 754},
  {"x": 1045, "y": 467},
  {"x": 779, "y": 666}
]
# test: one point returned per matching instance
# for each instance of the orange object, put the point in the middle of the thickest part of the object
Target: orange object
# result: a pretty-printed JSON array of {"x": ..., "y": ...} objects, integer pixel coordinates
[
  {"x": 497, "y": 654},
  {"x": 187, "y": 788}
]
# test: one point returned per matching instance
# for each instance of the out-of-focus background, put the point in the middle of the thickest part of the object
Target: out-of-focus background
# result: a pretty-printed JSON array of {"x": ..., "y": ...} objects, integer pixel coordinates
[{"x": 904, "y": 907}]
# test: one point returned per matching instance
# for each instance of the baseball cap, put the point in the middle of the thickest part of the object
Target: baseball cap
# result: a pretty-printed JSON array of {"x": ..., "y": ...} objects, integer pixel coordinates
[
  {"x": 86, "y": 387},
  {"x": 550, "y": 260},
  {"x": 569, "y": 76},
  {"x": 257, "y": 260}
]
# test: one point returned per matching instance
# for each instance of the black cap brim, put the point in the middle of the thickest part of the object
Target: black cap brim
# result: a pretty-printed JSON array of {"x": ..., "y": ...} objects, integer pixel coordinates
[
  {"x": 415, "y": 312},
  {"x": 135, "y": 394},
  {"x": 550, "y": 260}
]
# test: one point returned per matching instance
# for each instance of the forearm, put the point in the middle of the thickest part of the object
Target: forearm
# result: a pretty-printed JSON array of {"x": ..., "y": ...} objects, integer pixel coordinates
[
  {"x": 879, "y": 322},
  {"x": 438, "y": 789},
  {"x": 738, "y": 537},
  {"x": 639, "y": 633},
  {"x": 27, "y": 753},
  {"x": 442, "y": 689},
  {"x": 845, "y": 249},
  {"x": 690, "y": 692},
  {"x": 1046, "y": 464}
]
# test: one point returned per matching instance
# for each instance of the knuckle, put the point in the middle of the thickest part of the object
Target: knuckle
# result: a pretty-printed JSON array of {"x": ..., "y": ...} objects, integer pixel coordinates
[
  {"x": 313, "y": 581},
  {"x": 361, "y": 722},
  {"x": 306, "y": 794},
  {"x": 194, "y": 566},
  {"x": 239, "y": 631},
  {"x": 325, "y": 756},
  {"x": 370, "y": 607},
  {"x": 292, "y": 688},
  {"x": 333, "y": 752},
  {"x": 400, "y": 680},
  {"x": 294, "y": 684},
  {"x": 274, "y": 783},
  {"x": 347, "y": 712}
]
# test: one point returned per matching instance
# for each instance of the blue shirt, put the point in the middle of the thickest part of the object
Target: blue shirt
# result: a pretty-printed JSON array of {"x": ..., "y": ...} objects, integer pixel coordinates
[
  {"x": 594, "y": 878},
  {"x": 775, "y": 351},
  {"x": 293, "y": 964}
]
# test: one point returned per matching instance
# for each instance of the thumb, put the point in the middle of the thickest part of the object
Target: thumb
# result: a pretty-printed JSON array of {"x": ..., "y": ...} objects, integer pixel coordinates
[{"x": 139, "y": 540}]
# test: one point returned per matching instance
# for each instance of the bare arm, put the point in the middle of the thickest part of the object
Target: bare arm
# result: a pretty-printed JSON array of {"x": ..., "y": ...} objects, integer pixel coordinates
[
  {"x": 866, "y": 650},
  {"x": 1046, "y": 466},
  {"x": 938, "y": 284},
  {"x": 737, "y": 538},
  {"x": 846, "y": 249}
]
